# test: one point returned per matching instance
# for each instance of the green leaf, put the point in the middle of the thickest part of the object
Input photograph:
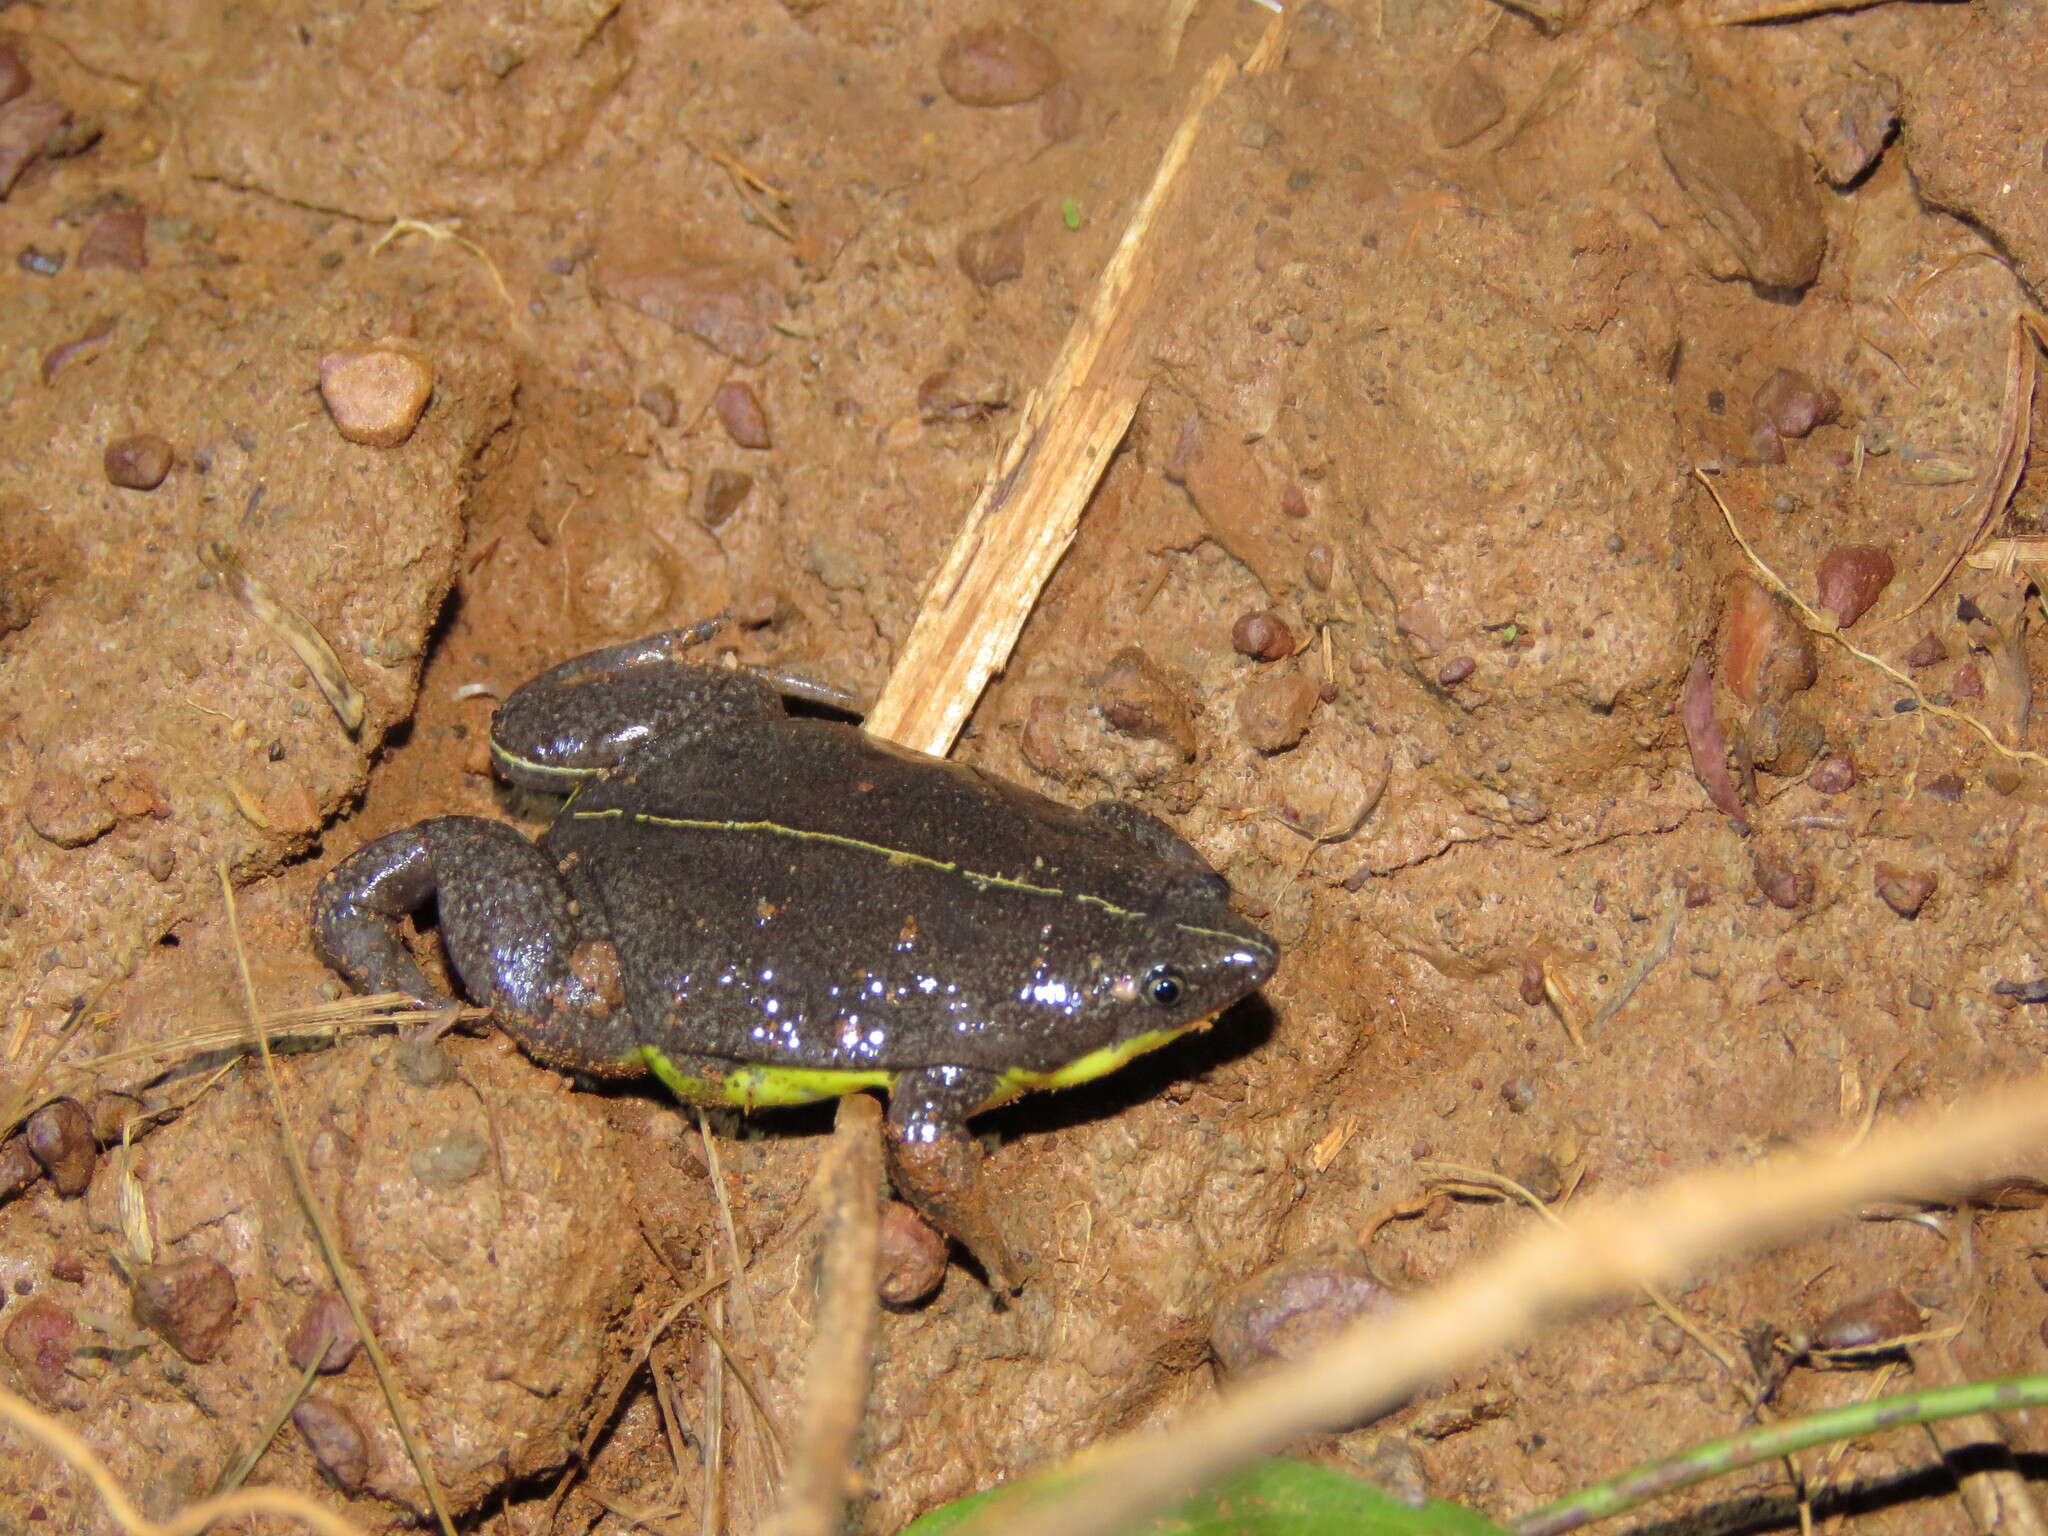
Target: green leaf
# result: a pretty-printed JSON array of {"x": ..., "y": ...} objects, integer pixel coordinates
[
  {"x": 1274, "y": 1498},
  {"x": 1070, "y": 212}
]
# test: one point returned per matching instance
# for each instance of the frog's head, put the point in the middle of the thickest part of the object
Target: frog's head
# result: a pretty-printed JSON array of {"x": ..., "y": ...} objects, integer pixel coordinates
[{"x": 1134, "y": 979}]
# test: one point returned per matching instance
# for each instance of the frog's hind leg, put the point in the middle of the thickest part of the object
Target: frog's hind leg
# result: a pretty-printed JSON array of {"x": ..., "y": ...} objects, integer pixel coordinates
[
  {"x": 578, "y": 719},
  {"x": 514, "y": 936},
  {"x": 936, "y": 1165}
]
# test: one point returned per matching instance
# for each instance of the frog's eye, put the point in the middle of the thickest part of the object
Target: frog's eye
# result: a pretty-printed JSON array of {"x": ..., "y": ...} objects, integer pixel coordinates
[{"x": 1163, "y": 984}]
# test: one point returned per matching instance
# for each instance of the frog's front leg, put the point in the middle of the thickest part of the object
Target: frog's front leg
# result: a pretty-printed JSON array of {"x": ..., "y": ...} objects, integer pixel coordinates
[
  {"x": 936, "y": 1164},
  {"x": 514, "y": 936}
]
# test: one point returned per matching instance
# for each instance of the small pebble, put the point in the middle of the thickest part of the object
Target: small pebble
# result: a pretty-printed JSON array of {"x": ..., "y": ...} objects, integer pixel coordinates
[
  {"x": 1920, "y": 995},
  {"x": 1455, "y": 671},
  {"x": 1767, "y": 655},
  {"x": 1905, "y": 891},
  {"x": 424, "y": 1063},
  {"x": 1530, "y": 988},
  {"x": 118, "y": 238},
  {"x": 1294, "y": 1309},
  {"x": 1968, "y": 682},
  {"x": 40, "y": 1339},
  {"x": 1793, "y": 404},
  {"x": 739, "y": 411},
  {"x": 996, "y": 66},
  {"x": 1784, "y": 738},
  {"x": 452, "y": 1160},
  {"x": 39, "y": 263},
  {"x": 1944, "y": 786},
  {"x": 188, "y": 1302},
  {"x": 59, "y": 1135},
  {"x": 724, "y": 490},
  {"x": 326, "y": 1329},
  {"x": 1927, "y": 651},
  {"x": 111, "y": 1113},
  {"x": 336, "y": 1441},
  {"x": 2004, "y": 778},
  {"x": 1851, "y": 578},
  {"x": 69, "y": 1268},
  {"x": 1319, "y": 566},
  {"x": 138, "y": 463},
  {"x": 1274, "y": 710},
  {"x": 1262, "y": 635},
  {"x": 18, "y": 1168},
  {"x": 995, "y": 255},
  {"x": 1783, "y": 883},
  {"x": 1870, "y": 1321},
  {"x": 1833, "y": 775},
  {"x": 1139, "y": 699},
  {"x": 1293, "y": 501},
  {"x": 376, "y": 393},
  {"x": 14, "y": 76},
  {"x": 910, "y": 1258},
  {"x": 659, "y": 401}
]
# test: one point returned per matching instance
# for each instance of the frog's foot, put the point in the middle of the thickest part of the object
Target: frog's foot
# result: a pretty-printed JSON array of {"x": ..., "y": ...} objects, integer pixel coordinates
[
  {"x": 936, "y": 1165},
  {"x": 513, "y": 935}
]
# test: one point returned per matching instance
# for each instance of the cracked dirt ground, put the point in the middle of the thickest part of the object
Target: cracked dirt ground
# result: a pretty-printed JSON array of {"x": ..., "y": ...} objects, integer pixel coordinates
[{"x": 1464, "y": 298}]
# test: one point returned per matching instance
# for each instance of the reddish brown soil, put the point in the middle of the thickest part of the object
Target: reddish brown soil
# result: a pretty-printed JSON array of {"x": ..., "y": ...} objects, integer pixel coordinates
[{"x": 1454, "y": 303}]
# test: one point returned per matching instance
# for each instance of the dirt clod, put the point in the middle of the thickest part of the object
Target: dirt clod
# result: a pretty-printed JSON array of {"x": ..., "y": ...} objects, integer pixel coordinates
[
  {"x": 1467, "y": 104},
  {"x": 1139, "y": 699},
  {"x": 65, "y": 809},
  {"x": 1847, "y": 127},
  {"x": 1274, "y": 710},
  {"x": 377, "y": 393},
  {"x": 60, "y": 1137},
  {"x": 40, "y": 1339},
  {"x": 1262, "y": 635},
  {"x": 1753, "y": 187},
  {"x": 1793, "y": 404},
  {"x": 118, "y": 238},
  {"x": 18, "y": 1168},
  {"x": 1783, "y": 883},
  {"x": 1946, "y": 787},
  {"x": 725, "y": 305},
  {"x": 1905, "y": 891},
  {"x": 996, "y": 66},
  {"x": 1851, "y": 578},
  {"x": 189, "y": 1303},
  {"x": 1294, "y": 1308},
  {"x": 659, "y": 401},
  {"x": 911, "y": 1259},
  {"x": 1784, "y": 738},
  {"x": 956, "y": 395},
  {"x": 740, "y": 413},
  {"x": 138, "y": 463},
  {"x": 996, "y": 254},
  {"x": 452, "y": 1159},
  {"x": 325, "y": 1330},
  {"x": 336, "y": 1441}
]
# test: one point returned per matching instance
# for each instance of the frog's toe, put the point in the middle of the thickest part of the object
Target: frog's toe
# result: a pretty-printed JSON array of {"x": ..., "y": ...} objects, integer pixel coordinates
[{"x": 356, "y": 912}]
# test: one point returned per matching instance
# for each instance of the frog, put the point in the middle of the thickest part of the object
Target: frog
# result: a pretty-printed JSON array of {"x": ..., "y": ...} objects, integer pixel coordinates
[{"x": 761, "y": 907}]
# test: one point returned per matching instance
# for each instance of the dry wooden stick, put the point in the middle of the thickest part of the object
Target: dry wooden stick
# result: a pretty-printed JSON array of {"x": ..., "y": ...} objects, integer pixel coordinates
[{"x": 1025, "y": 517}]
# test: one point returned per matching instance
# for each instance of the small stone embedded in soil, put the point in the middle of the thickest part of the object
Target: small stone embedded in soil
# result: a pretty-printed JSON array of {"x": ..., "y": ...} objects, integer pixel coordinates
[
  {"x": 1833, "y": 775},
  {"x": 188, "y": 1302},
  {"x": 1467, "y": 104},
  {"x": 377, "y": 393},
  {"x": 452, "y": 1159},
  {"x": 424, "y": 1063},
  {"x": 25, "y": 128},
  {"x": 38, "y": 262},
  {"x": 1920, "y": 995},
  {"x": 60, "y": 1137},
  {"x": 1294, "y": 1309},
  {"x": 1319, "y": 566},
  {"x": 1043, "y": 738},
  {"x": 18, "y": 1168},
  {"x": 138, "y": 463},
  {"x": 1274, "y": 710},
  {"x": 1927, "y": 651},
  {"x": 111, "y": 1114},
  {"x": 739, "y": 412},
  {"x": 1753, "y": 187},
  {"x": 1848, "y": 127},
  {"x": 1455, "y": 671},
  {"x": 996, "y": 66},
  {"x": 1968, "y": 682},
  {"x": 1262, "y": 635},
  {"x": 1904, "y": 890},
  {"x": 1060, "y": 111},
  {"x": 1870, "y": 1321},
  {"x": 40, "y": 1339},
  {"x": 954, "y": 395},
  {"x": 1944, "y": 786},
  {"x": 1767, "y": 655},
  {"x": 724, "y": 490},
  {"x": 118, "y": 238},
  {"x": 995, "y": 255},
  {"x": 659, "y": 401},
  {"x": 1852, "y": 577},
  {"x": 725, "y": 305},
  {"x": 1784, "y": 739},
  {"x": 1137, "y": 698},
  {"x": 1793, "y": 404},
  {"x": 1783, "y": 883},
  {"x": 1530, "y": 988},
  {"x": 336, "y": 1441},
  {"x": 324, "y": 1329},
  {"x": 910, "y": 1258},
  {"x": 14, "y": 76}
]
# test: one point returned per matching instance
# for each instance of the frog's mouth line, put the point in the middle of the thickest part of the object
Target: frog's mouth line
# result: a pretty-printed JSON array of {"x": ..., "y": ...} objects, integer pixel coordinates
[
  {"x": 976, "y": 878},
  {"x": 768, "y": 1087}
]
